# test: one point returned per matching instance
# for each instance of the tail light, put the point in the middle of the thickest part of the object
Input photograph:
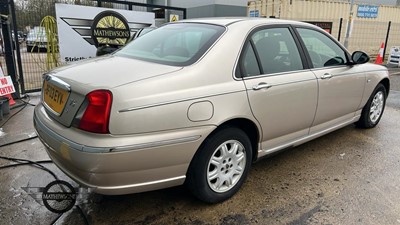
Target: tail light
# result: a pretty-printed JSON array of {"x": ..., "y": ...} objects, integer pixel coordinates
[{"x": 97, "y": 114}]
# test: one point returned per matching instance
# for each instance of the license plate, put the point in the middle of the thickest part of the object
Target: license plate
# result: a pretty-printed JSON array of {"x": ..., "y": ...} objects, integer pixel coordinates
[{"x": 54, "y": 97}]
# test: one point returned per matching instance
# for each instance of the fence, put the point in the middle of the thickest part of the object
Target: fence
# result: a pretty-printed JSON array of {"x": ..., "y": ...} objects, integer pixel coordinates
[{"x": 367, "y": 34}]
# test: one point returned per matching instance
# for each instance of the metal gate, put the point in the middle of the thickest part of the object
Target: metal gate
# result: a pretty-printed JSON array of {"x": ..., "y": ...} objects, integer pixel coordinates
[{"x": 26, "y": 62}]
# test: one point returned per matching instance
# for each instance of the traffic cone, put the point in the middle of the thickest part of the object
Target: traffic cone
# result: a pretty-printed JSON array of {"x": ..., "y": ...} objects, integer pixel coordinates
[
  {"x": 10, "y": 98},
  {"x": 379, "y": 58}
]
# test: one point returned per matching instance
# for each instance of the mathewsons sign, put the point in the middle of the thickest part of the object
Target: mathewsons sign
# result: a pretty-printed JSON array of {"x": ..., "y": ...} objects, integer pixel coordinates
[{"x": 82, "y": 29}]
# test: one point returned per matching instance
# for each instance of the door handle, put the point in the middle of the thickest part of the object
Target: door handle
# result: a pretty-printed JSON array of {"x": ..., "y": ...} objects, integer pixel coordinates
[
  {"x": 326, "y": 76},
  {"x": 261, "y": 85}
]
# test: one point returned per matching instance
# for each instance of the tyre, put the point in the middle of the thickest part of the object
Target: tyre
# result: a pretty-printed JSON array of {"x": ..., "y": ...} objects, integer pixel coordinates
[
  {"x": 373, "y": 110},
  {"x": 220, "y": 166}
]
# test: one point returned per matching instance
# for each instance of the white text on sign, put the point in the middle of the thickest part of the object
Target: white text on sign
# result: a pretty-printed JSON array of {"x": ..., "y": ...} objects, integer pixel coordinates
[{"x": 6, "y": 86}]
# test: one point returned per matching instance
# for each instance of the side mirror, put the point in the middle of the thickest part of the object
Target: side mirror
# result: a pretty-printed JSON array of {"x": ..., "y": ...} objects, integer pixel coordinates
[{"x": 360, "y": 57}]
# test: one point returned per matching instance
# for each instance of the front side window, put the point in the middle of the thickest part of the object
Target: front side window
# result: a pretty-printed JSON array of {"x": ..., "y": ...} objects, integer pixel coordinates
[
  {"x": 277, "y": 50},
  {"x": 179, "y": 44},
  {"x": 323, "y": 51}
]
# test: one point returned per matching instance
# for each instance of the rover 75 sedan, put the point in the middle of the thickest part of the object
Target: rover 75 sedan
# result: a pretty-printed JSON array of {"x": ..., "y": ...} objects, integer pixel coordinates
[{"x": 196, "y": 102}]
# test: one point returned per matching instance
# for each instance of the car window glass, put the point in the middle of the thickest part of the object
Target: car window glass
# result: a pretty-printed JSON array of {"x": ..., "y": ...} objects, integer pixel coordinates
[
  {"x": 277, "y": 50},
  {"x": 36, "y": 34},
  {"x": 323, "y": 51},
  {"x": 173, "y": 44},
  {"x": 249, "y": 62},
  {"x": 189, "y": 40}
]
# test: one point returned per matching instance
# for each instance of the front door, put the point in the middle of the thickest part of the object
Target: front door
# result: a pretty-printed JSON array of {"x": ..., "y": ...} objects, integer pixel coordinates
[{"x": 341, "y": 85}]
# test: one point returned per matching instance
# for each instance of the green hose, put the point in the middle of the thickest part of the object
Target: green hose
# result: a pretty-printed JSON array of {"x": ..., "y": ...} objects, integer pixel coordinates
[{"x": 52, "y": 54}]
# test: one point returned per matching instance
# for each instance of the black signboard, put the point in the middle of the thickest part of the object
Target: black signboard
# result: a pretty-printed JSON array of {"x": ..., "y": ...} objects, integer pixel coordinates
[{"x": 327, "y": 26}]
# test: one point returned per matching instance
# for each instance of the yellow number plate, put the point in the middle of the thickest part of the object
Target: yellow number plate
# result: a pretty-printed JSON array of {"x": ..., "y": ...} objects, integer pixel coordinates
[{"x": 54, "y": 97}]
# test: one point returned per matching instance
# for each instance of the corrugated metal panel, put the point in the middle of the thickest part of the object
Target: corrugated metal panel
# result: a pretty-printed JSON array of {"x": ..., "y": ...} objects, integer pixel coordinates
[
  {"x": 367, "y": 33},
  {"x": 317, "y": 10}
]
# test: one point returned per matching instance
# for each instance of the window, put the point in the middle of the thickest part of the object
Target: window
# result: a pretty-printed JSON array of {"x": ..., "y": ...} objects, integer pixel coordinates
[
  {"x": 250, "y": 65},
  {"x": 323, "y": 51},
  {"x": 173, "y": 44},
  {"x": 277, "y": 50}
]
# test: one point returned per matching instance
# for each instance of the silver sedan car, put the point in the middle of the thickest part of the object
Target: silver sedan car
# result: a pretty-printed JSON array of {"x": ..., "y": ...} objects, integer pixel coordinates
[{"x": 196, "y": 102}]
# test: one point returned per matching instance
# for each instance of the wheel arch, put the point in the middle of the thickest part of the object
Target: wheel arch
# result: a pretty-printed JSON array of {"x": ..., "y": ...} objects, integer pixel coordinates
[
  {"x": 196, "y": 175},
  {"x": 246, "y": 125},
  {"x": 386, "y": 83}
]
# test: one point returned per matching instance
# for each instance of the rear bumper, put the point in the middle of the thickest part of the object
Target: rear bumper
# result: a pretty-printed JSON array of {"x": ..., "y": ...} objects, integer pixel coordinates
[{"x": 129, "y": 168}]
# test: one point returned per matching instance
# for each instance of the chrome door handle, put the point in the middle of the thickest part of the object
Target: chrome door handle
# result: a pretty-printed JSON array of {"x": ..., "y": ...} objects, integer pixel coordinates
[
  {"x": 261, "y": 85},
  {"x": 326, "y": 76}
]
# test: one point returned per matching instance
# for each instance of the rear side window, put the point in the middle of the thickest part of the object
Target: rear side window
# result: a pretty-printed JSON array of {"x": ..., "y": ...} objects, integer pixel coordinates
[
  {"x": 249, "y": 62},
  {"x": 277, "y": 50},
  {"x": 323, "y": 51},
  {"x": 179, "y": 44}
]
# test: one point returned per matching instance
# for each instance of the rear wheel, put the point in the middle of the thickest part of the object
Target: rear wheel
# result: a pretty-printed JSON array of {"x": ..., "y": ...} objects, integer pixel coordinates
[
  {"x": 220, "y": 166},
  {"x": 373, "y": 110}
]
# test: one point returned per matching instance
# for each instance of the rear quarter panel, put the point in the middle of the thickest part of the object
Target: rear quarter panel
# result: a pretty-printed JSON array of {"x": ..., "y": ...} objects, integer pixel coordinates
[{"x": 162, "y": 103}]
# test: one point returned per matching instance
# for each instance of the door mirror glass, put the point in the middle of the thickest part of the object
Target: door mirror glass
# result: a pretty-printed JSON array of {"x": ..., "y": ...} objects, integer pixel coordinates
[{"x": 360, "y": 57}]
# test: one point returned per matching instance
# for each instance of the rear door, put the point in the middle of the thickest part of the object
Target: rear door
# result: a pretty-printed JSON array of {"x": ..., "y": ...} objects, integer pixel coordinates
[
  {"x": 341, "y": 84},
  {"x": 282, "y": 91}
]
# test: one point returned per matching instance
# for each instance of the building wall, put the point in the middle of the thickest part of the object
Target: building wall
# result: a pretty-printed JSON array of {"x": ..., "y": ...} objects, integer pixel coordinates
[
  {"x": 211, "y": 8},
  {"x": 367, "y": 34},
  {"x": 205, "y": 8},
  {"x": 197, "y": 3},
  {"x": 216, "y": 11},
  {"x": 195, "y": 8}
]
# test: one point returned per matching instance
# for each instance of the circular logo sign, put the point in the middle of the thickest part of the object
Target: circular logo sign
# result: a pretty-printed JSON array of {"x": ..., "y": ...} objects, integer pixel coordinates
[
  {"x": 59, "y": 196},
  {"x": 110, "y": 28}
]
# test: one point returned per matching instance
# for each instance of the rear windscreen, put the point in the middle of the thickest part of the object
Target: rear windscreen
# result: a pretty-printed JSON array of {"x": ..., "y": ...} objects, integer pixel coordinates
[{"x": 179, "y": 44}]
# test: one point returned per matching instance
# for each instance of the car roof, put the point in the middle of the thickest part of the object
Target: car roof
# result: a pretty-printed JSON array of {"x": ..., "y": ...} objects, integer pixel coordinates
[{"x": 226, "y": 21}]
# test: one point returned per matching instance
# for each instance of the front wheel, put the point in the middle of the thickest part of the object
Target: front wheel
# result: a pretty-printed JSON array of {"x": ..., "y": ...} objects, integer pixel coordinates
[
  {"x": 373, "y": 110},
  {"x": 221, "y": 165}
]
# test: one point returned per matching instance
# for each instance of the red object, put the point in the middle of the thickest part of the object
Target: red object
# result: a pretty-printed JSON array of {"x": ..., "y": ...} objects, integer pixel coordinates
[
  {"x": 97, "y": 114},
  {"x": 10, "y": 98},
  {"x": 379, "y": 59}
]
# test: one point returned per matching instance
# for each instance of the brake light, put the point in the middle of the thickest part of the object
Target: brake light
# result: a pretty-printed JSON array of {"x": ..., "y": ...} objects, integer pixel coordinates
[{"x": 97, "y": 114}]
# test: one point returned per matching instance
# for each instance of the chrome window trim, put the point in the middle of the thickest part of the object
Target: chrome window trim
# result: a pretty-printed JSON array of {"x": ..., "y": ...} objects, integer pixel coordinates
[{"x": 266, "y": 26}]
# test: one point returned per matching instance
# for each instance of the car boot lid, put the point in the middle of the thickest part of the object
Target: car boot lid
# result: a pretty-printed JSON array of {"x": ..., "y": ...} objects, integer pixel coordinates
[{"x": 109, "y": 72}]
